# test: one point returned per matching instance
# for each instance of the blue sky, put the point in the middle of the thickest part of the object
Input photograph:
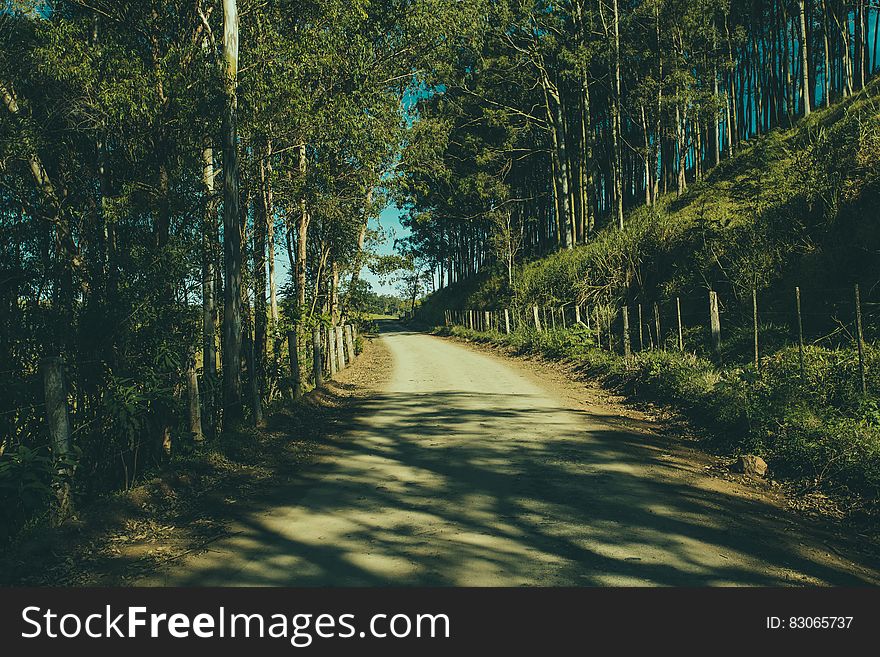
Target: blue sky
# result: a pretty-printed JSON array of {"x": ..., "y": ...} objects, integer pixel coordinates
[{"x": 389, "y": 221}]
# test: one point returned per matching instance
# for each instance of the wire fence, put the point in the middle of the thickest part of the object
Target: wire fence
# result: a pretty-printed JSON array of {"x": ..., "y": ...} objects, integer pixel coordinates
[{"x": 730, "y": 329}]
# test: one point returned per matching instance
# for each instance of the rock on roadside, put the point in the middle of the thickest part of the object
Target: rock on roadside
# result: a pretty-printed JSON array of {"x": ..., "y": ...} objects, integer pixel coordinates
[{"x": 751, "y": 465}]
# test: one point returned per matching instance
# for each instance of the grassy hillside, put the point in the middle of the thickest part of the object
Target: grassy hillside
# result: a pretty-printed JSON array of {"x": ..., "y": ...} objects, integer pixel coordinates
[
  {"x": 794, "y": 207},
  {"x": 797, "y": 207}
]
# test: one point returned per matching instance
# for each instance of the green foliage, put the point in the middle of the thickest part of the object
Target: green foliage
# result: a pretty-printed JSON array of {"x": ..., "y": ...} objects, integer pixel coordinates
[
  {"x": 28, "y": 480},
  {"x": 26, "y": 476}
]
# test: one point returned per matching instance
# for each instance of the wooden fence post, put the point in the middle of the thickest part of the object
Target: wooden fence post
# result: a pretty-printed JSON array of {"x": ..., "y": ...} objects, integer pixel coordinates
[
  {"x": 331, "y": 349},
  {"x": 317, "y": 357},
  {"x": 627, "y": 348},
  {"x": 488, "y": 321},
  {"x": 553, "y": 317},
  {"x": 507, "y": 321},
  {"x": 349, "y": 343},
  {"x": 755, "y": 327},
  {"x": 860, "y": 338},
  {"x": 55, "y": 395},
  {"x": 680, "y": 329},
  {"x": 537, "y": 319},
  {"x": 598, "y": 327},
  {"x": 293, "y": 355},
  {"x": 340, "y": 348},
  {"x": 715, "y": 322},
  {"x": 562, "y": 315},
  {"x": 800, "y": 327},
  {"x": 577, "y": 313}
]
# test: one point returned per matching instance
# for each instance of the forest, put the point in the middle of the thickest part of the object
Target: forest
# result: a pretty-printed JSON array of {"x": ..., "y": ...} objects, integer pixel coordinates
[
  {"x": 569, "y": 116},
  {"x": 189, "y": 188},
  {"x": 157, "y": 160}
]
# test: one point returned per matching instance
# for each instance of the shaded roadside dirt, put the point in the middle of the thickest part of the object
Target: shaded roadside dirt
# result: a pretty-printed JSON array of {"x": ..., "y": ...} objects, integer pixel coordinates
[{"x": 187, "y": 506}]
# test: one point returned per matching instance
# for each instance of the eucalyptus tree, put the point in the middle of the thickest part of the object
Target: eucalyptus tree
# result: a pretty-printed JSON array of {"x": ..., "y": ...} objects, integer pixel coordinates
[{"x": 623, "y": 101}]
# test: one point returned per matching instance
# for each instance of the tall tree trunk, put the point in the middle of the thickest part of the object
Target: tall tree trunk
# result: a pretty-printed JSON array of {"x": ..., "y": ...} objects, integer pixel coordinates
[
  {"x": 362, "y": 238},
  {"x": 209, "y": 285},
  {"x": 302, "y": 241},
  {"x": 553, "y": 104},
  {"x": 658, "y": 125},
  {"x": 730, "y": 108},
  {"x": 843, "y": 28},
  {"x": 564, "y": 177},
  {"x": 805, "y": 60},
  {"x": 232, "y": 403},
  {"x": 681, "y": 146},
  {"x": 270, "y": 236},
  {"x": 716, "y": 120},
  {"x": 586, "y": 160},
  {"x": 616, "y": 127},
  {"x": 261, "y": 315},
  {"x": 646, "y": 158},
  {"x": 790, "y": 94},
  {"x": 875, "y": 54},
  {"x": 557, "y": 192},
  {"x": 826, "y": 76},
  {"x": 858, "y": 44},
  {"x": 759, "y": 87}
]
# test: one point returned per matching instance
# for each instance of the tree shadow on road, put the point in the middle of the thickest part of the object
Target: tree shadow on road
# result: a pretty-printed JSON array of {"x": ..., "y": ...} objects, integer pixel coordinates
[{"x": 450, "y": 488}]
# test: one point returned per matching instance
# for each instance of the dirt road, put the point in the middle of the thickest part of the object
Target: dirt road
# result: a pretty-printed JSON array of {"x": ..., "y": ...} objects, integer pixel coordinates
[{"x": 465, "y": 469}]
